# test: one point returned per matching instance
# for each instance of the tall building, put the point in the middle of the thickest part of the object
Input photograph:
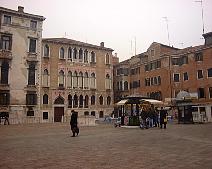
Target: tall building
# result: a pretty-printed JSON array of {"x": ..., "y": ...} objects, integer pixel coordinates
[
  {"x": 20, "y": 61},
  {"x": 75, "y": 76}
]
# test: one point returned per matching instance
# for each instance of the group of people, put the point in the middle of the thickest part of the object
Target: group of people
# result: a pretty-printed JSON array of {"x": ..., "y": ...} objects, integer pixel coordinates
[{"x": 152, "y": 117}]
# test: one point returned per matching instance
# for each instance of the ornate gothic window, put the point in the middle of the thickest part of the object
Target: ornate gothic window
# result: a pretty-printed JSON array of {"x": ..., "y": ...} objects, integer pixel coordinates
[
  {"x": 69, "y": 79},
  {"x": 81, "y": 101},
  {"x": 75, "y": 80},
  {"x": 86, "y": 101},
  {"x": 93, "y": 81},
  {"x": 93, "y": 100},
  {"x": 45, "y": 78},
  {"x": 75, "y": 101},
  {"x": 101, "y": 100},
  {"x": 46, "y": 50},
  {"x": 80, "y": 80},
  {"x": 61, "y": 79},
  {"x": 69, "y": 101},
  {"x": 62, "y": 53},
  {"x": 86, "y": 80},
  {"x": 86, "y": 56}
]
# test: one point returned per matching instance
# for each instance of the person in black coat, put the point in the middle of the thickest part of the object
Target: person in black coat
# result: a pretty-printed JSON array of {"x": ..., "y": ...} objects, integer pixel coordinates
[
  {"x": 163, "y": 118},
  {"x": 73, "y": 123}
]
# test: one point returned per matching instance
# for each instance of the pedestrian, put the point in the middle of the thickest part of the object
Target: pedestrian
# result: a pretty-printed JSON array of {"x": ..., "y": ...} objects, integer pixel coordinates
[
  {"x": 6, "y": 118},
  {"x": 73, "y": 123},
  {"x": 163, "y": 118}
]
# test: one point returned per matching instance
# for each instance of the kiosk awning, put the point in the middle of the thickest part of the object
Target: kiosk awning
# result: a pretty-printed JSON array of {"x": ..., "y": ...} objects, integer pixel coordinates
[
  {"x": 122, "y": 102},
  {"x": 152, "y": 101}
]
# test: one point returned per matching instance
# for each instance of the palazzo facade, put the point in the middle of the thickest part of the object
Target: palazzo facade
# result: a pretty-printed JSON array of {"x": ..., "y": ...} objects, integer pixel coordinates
[{"x": 75, "y": 76}]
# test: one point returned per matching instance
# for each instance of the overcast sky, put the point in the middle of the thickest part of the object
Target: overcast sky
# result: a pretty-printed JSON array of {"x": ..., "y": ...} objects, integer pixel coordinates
[{"x": 121, "y": 23}]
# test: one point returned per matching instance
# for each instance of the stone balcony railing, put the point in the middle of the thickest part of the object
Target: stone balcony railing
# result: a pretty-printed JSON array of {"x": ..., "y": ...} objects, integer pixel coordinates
[
  {"x": 4, "y": 87},
  {"x": 5, "y": 54}
]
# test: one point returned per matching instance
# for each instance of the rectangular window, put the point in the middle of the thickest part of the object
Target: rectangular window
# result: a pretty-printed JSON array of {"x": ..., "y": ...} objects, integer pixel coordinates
[
  {"x": 7, "y": 19},
  {"x": 33, "y": 24},
  {"x": 210, "y": 72},
  {"x": 198, "y": 56},
  {"x": 159, "y": 80},
  {"x": 200, "y": 74},
  {"x": 45, "y": 115},
  {"x": 184, "y": 60},
  {"x": 6, "y": 42},
  {"x": 175, "y": 61},
  {"x": 32, "y": 45},
  {"x": 201, "y": 92},
  {"x": 176, "y": 77},
  {"x": 31, "y": 99},
  {"x": 185, "y": 76},
  {"x": 210, "y": 92},
  {"x": 4, "y": 98}
]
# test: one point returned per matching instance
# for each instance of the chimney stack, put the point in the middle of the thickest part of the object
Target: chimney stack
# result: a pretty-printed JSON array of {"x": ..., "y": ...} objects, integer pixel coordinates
[
  {"x": 208, "y": 38},
  {"x": 21, "y": 9},
  {"x": 102, "y": 44}
]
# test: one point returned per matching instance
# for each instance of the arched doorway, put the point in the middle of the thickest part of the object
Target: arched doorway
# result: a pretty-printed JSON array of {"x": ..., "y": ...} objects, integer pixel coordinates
[{"x": 58, "y": 109}]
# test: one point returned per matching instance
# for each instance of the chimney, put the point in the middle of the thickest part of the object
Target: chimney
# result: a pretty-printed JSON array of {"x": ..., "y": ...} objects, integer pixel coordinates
[
  {"x": 102, "y": 44},
  {"x": 21, "y": 9},
  {"x": 208, "y": 38}
]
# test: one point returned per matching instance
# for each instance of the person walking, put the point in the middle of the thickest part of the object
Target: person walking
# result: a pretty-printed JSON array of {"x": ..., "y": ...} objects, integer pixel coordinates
[
  {"x": 163, "y": 118},
  {"x": 73, "y": 123},
  {"x": 6, "y": 118}
]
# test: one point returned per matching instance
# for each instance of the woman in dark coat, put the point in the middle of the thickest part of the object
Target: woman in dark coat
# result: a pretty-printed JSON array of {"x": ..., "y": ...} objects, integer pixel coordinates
[{"x": 73, "y": 123}]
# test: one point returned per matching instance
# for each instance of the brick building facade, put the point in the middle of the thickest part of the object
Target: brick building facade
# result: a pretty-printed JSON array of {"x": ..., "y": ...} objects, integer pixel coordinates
[
  {"x": 75, "y": 75},
  {"x": 164, "y": 72}
]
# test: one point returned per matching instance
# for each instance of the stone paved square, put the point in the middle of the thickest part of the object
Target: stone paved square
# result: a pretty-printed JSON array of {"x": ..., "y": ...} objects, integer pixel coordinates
[{"x": 105, "y": 147}]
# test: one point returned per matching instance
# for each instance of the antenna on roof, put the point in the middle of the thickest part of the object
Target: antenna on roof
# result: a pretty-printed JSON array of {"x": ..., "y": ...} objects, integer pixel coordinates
[
  {"x": 65, "y": 35},
  {"x": 167, "y": 27},
  {"x": 203, "y": 27}
]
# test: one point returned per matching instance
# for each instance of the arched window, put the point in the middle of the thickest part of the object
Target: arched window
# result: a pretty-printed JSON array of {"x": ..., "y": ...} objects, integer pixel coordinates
[
  {"x": 101, "y": 100},
  {"x": 86, "y": 80},
  {"x": 108, "y": 82},
  {"x": 86, "y": 101},
  {"x": 75, "y": 53},
  {"x": 31, "y": 74},
  {"x": 62, "y": 53},
  {"x": 107, "y": 59},
  {"x": 61, "y": 79},
  {"x": 125, "y": 85},
  {"x": 80, "y": 80},
  {"x": 93, "y": 113},
  {"x": 4, "y": 72},
  {"x": 69, "y": 79},
  {"x": 81, "y": 101},
  {"x": 93, "y": 81},
  {"x": 45, "y": 99},
  {"x": 59, "y": 100},
  {"x": 69, "y": 54},
  {"x": 108, "y": 100},
  {"x": 75, "y": 101},
  {"x": 86, "y": 56},
  {"x": 86, "y": 113},
  {"x": 45, "y": 78},
  {"x": 93, "y": 57},
  {"x": 93, "y": 100},
  {"x": 69, "y": 101},
  {"x": 46, "y": 50},
  {"x": 80, "y": 54},
  {"x": 75, "y": 80}
]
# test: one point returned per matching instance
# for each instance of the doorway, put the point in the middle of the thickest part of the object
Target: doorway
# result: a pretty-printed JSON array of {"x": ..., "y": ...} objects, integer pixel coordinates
[{"x": 58, "y": 113}]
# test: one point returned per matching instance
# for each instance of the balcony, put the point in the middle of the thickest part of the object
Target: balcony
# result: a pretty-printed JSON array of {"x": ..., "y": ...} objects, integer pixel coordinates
[
  {"x": 5, "y": 54},
  {"x": 4, "y": 87},
  {"x": 31, "y": 88},
  {"x": 32, "y": 57}
]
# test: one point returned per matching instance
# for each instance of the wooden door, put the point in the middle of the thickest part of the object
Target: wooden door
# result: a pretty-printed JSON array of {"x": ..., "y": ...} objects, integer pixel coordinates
[{"x": 58, "y": 113}]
